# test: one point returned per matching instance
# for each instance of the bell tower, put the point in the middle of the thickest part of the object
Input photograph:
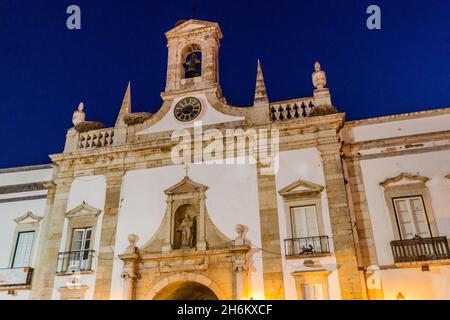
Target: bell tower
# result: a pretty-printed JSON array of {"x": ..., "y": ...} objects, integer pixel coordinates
[{"x": 193, "y": 49}]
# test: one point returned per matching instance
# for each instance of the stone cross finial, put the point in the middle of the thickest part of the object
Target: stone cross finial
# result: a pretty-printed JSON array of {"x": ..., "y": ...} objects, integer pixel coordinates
[
  {"x": 319, "y": 78},
  {"x": 79, "y": 116},
  {"x": 186, "y": 169}
]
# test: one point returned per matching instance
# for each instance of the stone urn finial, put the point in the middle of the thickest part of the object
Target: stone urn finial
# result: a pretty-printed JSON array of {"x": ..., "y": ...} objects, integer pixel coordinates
[
  {"x": 79, "y": 116},
  {"x": 240, "y": 240},
  {"x": 240, "y": 229},
  {"x": 319, "y": 78},
  {"x": 132, "y": 239}
]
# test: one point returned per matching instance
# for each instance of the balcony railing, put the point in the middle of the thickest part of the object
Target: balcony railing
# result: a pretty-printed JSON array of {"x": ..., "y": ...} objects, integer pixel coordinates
[
  {"x": 421, "y": 249},
  {"x": 16, "y": 277},
  {"x": 299, "y": 247},
  {"x": 75, "y": 261}
]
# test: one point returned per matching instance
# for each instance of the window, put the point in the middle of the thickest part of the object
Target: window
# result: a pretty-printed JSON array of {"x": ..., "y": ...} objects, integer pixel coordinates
[
  {"x": 312, "y": 292},
  {"x": 304, "y": 222},
  {"x": 23, "y": 249},
  {"x": 411, "y": 217},
  {"x": 79, "y": 253}
]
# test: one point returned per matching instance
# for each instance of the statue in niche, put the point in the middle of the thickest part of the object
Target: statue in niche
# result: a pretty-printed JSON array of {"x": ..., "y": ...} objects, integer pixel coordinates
[{"x": 187, "y": 229}]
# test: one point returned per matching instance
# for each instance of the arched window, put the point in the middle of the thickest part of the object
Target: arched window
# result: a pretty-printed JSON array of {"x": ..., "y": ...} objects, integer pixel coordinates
[{"x": 192, "y": 61}]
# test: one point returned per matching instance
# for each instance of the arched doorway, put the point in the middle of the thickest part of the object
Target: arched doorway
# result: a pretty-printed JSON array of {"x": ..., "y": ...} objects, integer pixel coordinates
[{"x": 186, "y": 291}]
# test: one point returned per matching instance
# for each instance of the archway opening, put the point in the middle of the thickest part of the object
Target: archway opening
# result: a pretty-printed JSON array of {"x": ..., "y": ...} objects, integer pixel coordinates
[{"x": 186, "y": 291}]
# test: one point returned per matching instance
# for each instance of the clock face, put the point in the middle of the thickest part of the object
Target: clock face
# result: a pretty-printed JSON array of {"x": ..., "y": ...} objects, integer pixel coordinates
[{"x": 188, "y": 109}]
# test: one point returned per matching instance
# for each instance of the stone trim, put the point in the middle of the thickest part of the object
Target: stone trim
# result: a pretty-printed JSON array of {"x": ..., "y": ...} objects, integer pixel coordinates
[
  {"x": 309, "y": 277},
  {"x": 29, "y": 198},
  {"x": 27, "y": 215},
  {"x": 187, "y": 277},
  {"x": 398, "y": 117},
  {"x": 26, "y": 187},
  {"x": 23, "y": 226},
  {"x": 359, "y": 208},
  {"x": 341, "y": 221},
  {"x": 273, "y": 275},
  {"x": 404, "y": 176},
  {"x": 309, "y": 196},
  {"x": 27, "y": 168},
  {"x": 414, "y": 186},
  {"x": 107, "y": 239}
]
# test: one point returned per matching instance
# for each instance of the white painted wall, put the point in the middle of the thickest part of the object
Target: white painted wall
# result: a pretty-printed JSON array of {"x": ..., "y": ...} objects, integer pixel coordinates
[
  {"x": 305, "y": 164},
  {"x": 434, "y": 165},
  {"x": 415, "y": 284},
  {"x": 232, "y": 199},
  {"x": 401, "y": 128},
  {"x": 92, "y": 191},
  {"x": 13, "y": 210},
  {"x": 208, "y": 116}
]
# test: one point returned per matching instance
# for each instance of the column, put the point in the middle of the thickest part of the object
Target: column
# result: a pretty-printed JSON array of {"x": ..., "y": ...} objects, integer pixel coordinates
[
  {"x": 344, "y": 244},
  {"x": 50, "y": 239},
  {"x": 270, "y": 238},
  {"x": 108, "y": 236}
]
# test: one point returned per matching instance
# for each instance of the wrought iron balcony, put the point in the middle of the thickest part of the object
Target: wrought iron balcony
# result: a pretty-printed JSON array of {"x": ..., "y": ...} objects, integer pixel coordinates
[
  {"x": 16, "y": 277},
  {"x": 299, "y": 247},
  {"x": 75, "y": 261},
  {"x": 420, "y": 249}
]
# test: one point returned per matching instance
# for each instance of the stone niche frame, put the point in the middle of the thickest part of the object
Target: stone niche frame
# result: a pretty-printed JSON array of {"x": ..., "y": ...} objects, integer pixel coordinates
[
  {"x": 82, "y": 216},
  {"x": 215, "y": 260},
  {"x": 302, "y": 193},
  {"x": 406, "y": 185},
  {"x": 25, "y": 223}
]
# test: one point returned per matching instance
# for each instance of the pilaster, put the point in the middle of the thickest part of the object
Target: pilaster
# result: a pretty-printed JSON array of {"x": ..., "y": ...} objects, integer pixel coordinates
[
  {"x": 108, "y": 234},
  {"x": 341, "y": 225},
  {"x": 270, "y": 238},
  {"x": 50, "y": 239}
]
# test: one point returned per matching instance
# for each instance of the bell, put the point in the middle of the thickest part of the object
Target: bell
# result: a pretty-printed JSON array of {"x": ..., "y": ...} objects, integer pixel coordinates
[{"x": 191, "y": 65}]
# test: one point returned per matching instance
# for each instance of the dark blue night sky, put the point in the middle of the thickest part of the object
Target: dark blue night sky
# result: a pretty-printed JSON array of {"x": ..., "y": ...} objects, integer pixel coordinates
[{"x": 46, "y": 70}]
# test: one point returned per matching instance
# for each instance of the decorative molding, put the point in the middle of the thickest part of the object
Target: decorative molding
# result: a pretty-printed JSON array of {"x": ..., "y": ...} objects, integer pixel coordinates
[
  {"x": 404, "y": 177},
  {"x": 301, "y": 188},
  {"x": 25, "y": 187},
  {"x": 17, "y": 199},
  {"x": 83, "y": 210},
  {"x": 185, "y": 186},
  {"x": 28, "y": 215}
]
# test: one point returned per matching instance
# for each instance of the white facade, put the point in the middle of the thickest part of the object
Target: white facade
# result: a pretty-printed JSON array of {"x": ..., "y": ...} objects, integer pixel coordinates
[{"x": 116, "y": 217}]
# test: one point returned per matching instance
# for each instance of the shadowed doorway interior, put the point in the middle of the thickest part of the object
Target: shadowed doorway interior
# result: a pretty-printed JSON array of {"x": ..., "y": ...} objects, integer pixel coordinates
[{"x": 186, "y": 291}]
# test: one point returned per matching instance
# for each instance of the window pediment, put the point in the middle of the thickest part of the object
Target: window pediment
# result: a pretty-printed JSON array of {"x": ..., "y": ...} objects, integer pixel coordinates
[
  {"x": 404, "y": 179},
  {"x": 28, "y": 217},
  {"x": 185, "y": 186},
  {"x": 301, "y": 188},
  {"x": 83, "y": 210}
]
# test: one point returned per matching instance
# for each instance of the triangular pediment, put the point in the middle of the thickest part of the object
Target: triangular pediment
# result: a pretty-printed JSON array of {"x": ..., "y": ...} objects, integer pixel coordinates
[
  {"x": 28, "y": 217},
  {"x": 185, "y": 186},
  {"x": 191, "y": 25},
  {"x": 403, "y": 179},
  {"x": 301, "y": 187},
  {"x": 83, "y": 210}
]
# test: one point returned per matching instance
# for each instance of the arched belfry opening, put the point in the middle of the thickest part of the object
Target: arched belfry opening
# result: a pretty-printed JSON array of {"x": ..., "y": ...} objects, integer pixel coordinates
[
  {"x": 192, "y": 61},
  {"x": 186, "y": 291}
]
